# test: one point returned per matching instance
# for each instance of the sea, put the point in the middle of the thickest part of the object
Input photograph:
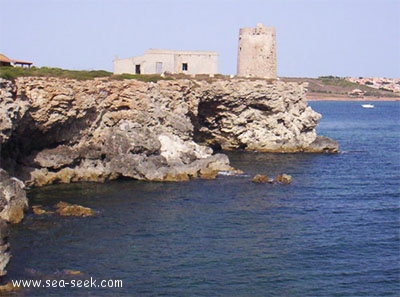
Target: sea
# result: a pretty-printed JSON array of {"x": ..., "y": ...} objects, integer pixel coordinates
[{"x": 334, "y": 231}]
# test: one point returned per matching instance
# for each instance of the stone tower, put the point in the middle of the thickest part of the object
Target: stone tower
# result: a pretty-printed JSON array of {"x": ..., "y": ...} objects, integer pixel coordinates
[{"x": 257, "y": 52}]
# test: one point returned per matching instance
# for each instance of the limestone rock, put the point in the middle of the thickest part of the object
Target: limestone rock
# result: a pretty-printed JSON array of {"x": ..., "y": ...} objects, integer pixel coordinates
[
  {"x": 38, "y": 210},
  {"x": 8, "y": 287},
  {"x": 175, "y": 150},
  {"x": 283, "y": 179},
  {"x": 4, "y": 247},
  {"x": 323, "y": 144},
  {"x": 11, "y": 111},
  {"x": 56, "y": 158},
  {"x": 261, "y": 179},
  {"x": 13, "y": 201},
  {"x": 56, "y": 130},
  {"x": 256, "y": 116},
  {"x": 67, "y": 209}
]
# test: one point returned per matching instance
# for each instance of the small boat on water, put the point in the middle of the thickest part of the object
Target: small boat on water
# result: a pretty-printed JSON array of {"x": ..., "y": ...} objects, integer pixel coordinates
[{"x": 367, "y": 105}]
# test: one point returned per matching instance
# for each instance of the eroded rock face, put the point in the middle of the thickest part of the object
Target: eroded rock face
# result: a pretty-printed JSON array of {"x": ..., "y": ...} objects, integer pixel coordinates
[
  {"x": 4, "y": 247},
  {"x": 13, "y": 201},
  {"x": 55, "y": 130},
  {"x": 257, "y": 116},
  {"x": 13, "y": 204}
]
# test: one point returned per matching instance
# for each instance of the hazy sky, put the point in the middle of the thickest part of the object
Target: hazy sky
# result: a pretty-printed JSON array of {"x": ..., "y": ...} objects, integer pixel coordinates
[{"x": 314, "y": 37}]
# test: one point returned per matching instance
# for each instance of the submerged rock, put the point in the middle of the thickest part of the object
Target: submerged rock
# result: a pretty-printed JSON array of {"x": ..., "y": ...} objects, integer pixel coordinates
[
  {"x": 67, "y": 209},
  {"x": 283, "y": 179},
  {"x": 8, "y": 287},
  {"x": 72, "y": 272},
  {"x": 261, "y": 179},
  {"x": 38, "y": 210}
]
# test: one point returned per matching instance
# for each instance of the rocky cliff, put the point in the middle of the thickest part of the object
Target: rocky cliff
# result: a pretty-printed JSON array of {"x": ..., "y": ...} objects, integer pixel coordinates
[{"x": 55, "y": 130}]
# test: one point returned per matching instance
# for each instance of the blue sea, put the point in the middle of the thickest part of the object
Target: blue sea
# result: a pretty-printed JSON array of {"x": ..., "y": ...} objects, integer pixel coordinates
[{"x": 335, "y": 231}]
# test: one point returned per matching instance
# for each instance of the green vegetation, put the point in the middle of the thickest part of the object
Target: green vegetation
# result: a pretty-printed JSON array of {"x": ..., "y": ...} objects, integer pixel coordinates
[
  {"x": 336, "y": 81},
  {"x": 12, "y": 73},
  {"x": 141, "y": 77}
]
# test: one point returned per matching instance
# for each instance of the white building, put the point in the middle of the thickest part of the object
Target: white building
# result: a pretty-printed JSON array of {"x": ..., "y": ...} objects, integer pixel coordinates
[{"x": 157, "y": 61}]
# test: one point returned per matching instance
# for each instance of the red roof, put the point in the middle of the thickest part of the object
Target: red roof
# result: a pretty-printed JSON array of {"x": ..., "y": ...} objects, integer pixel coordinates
[{"x": 5, "y": 59}]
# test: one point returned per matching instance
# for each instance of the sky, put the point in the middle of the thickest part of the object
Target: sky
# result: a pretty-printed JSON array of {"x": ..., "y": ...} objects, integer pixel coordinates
[{"x": 314, "y": 37}]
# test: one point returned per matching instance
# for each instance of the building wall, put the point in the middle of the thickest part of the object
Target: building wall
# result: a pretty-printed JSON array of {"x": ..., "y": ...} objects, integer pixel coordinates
[
  {"x": 157, "y": 61},
  {"x": 257, "y": 52}
]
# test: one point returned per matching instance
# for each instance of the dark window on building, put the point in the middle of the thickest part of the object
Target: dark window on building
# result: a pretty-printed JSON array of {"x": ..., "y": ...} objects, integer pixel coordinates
[
  {"x": 185, "y": 67},
  {"x": 137, "y": 68}
]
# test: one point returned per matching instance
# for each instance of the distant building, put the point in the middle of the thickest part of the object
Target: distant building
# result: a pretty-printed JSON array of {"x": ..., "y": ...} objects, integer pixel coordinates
[
  {"x": 5, "y": 61},
  {"x": 157, "y": 61},
  {"x": 257, "y": 52}
]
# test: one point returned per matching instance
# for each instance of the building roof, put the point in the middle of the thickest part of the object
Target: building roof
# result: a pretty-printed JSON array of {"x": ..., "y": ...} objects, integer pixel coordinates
[
  {"x": 5, "y": 59},
  {"x": 21, "y": 62}
]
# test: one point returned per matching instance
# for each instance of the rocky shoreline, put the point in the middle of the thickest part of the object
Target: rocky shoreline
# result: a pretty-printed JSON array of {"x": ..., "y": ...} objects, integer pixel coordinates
[{"x": 57, "y": 130}]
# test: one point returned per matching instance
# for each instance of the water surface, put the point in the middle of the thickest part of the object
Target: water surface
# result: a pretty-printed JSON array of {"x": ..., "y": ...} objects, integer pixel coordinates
[{"x": 333, "y": 232}]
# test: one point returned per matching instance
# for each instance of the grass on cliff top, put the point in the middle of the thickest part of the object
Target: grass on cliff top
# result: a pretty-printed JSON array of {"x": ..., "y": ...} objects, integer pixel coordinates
[{"x": 12, "y": 73}]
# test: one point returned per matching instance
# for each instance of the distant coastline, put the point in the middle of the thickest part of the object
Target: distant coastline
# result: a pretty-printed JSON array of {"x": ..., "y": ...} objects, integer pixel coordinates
[
  {"x": 338, "y": 97},
  {"x": 332, "y": 88}
]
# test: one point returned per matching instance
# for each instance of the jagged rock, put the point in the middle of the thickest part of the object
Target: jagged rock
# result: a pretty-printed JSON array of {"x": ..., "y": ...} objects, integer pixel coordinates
[
  {"x": 38, "y": 210},
  {"x": 56, "y": 158},
  {"x": 56, "y": 130},
  {"x": 11, "y": 111},
  {"x": 4, "y": 247},
  {"x": 13, "y": 201},
  {"x": 256, "y": 116},
  {"x": 323, "y": 144},
  {"x": 261, "y": 179},
  {"x": 175, "y": 150},
  {"x": 67, "y": 209},
  {"x": 283, "y": 179}
]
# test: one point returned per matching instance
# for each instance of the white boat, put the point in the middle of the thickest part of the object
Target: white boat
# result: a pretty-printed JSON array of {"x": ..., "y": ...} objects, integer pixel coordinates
[{"x": 368, "y": 105}]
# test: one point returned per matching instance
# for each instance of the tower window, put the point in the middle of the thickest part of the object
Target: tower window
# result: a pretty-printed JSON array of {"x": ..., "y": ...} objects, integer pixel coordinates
[{"x": 185, "y": 67}]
